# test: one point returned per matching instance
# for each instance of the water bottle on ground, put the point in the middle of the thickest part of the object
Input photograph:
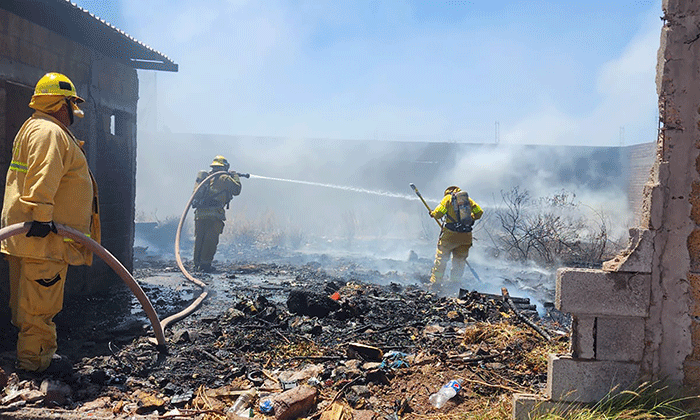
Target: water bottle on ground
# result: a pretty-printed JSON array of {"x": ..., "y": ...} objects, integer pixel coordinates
[
  {"x": 445, "y": 393},
  {"x": 242, "y": 402}
]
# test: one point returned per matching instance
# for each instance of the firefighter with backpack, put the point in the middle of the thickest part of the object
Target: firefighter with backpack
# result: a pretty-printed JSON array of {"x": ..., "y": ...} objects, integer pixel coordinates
[
  {"x": 210, "y": 203},
  {"x": 460, "y": 212}
]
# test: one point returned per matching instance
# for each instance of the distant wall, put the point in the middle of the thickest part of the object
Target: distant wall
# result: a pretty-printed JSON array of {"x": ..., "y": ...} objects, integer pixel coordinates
[{"x": 602, "y": 177}]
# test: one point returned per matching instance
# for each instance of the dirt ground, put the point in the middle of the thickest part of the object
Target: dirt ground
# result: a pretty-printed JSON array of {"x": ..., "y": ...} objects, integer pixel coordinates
[{"x": 372, "y": 345}]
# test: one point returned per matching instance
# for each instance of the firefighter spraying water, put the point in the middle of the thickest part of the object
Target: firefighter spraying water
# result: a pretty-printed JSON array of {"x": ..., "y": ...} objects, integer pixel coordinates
[{"x": 210, "y": 203}]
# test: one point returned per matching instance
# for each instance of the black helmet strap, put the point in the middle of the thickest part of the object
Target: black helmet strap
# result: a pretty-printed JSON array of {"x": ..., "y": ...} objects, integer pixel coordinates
[{"x": 70, "y": 111}]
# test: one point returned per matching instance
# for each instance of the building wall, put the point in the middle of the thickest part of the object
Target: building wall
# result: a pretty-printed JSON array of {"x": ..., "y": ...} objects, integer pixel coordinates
[
  {"x": 639, "y": 160},
  {"x": 110, "y": 89},
  {"x": 638, "y": 318}
]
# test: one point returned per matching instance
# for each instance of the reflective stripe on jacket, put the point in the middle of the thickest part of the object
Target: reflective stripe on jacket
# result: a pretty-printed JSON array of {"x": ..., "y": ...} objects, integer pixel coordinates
[{"x": 49, "y": 179}]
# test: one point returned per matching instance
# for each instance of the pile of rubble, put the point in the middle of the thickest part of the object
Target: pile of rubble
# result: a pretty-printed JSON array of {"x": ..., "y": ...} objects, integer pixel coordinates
[{"x": 319, "y": 347}]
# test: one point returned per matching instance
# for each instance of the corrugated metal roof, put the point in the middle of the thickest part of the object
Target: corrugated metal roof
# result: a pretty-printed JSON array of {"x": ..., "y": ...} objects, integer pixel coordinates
[{"x": 79, "y": 25}]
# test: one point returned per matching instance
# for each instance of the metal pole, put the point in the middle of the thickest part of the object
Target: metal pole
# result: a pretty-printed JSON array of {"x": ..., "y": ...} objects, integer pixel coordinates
[{"x": 426, "y": 204}]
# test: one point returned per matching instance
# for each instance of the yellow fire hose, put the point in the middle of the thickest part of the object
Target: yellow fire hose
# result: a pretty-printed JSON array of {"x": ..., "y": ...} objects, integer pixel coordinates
[
  {"x": 107, "y": 257},
  {"x": 205, "y": 289}
]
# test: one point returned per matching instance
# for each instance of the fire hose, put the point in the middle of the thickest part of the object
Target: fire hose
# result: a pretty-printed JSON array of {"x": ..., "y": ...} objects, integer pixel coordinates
[
  {"x": 107, "y": 257},
  {"x": 205, "y": 289}
]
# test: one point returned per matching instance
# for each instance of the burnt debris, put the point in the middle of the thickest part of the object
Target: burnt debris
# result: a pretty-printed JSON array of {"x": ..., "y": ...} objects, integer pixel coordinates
[{"x": 310, "y": 344}]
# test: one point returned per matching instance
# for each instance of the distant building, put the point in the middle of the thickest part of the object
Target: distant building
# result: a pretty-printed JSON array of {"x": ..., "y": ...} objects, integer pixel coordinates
[{"x": 37, "y": 37}]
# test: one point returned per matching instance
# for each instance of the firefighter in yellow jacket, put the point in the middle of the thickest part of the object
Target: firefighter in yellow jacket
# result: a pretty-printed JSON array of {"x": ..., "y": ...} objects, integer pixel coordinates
[
  {"x": 209, "y": 214},
  {"x": 48, "y": 181},
  {"x": 460, "y": 212}
]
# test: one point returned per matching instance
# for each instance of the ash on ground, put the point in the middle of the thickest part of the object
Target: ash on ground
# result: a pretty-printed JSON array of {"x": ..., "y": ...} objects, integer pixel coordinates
[{"x": 340, "y": 334}]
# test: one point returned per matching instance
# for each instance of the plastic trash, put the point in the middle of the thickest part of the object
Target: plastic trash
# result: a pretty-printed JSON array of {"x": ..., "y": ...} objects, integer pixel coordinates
[
  {"x": 242, "y": 402},
  {"x": 266, "y": 406},
  {"x": 445, "y": 393}
]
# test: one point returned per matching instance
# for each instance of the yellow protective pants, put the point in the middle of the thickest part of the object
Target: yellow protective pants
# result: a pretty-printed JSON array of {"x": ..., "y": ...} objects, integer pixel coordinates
[
  {"x": 36, "y": 296},
  {"x": 206, "y": 239},
  {"x": 455, "y": 244}
]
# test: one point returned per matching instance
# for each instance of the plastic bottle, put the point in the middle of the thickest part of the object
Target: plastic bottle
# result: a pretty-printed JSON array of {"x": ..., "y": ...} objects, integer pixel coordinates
[
  {"x": 445, "y": 393},
  {"x": 242, "y": 402},
  {"x": 266, "y": 406}
]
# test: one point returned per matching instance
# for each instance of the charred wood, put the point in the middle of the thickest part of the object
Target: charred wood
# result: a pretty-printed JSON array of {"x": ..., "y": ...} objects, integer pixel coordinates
[{"x": 509, "y": 301}]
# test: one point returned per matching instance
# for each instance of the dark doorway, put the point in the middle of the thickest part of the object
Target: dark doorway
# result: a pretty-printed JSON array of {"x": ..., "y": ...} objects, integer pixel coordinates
[{"x": 16, "y": 111}]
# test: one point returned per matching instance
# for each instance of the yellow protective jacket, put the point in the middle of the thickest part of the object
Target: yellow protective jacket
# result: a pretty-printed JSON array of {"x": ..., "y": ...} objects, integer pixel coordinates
[
  {"x": 49, "y": 179},
  {"x": 212, "y": 198},
  {"x": 445, "y": 208}
]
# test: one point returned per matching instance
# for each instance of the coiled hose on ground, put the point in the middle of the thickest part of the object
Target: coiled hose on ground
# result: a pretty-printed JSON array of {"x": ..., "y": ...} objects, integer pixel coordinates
[{"x": 107, "y": 257}]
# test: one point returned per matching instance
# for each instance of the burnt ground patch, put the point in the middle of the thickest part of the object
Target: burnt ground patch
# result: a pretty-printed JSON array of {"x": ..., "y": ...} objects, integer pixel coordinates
[{"x": 355, "y": 327}]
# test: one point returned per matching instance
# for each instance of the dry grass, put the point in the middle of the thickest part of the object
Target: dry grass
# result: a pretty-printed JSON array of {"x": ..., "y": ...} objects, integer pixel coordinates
[
  {"x": 264, "y": 231},
  {"x": 649, "y": 401},
  {"x": 525, "y": 345}
]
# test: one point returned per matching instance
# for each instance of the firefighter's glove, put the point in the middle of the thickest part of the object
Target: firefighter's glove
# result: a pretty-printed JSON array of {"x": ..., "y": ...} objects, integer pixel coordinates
[{"x": 41, "y": 229}]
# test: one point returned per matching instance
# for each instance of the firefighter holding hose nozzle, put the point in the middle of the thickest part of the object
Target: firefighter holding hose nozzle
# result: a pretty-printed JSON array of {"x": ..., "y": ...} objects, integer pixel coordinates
[
  {"x": 210, "y": 202},
  {"x": 460, "y": 212},
  {"x": 48, "y": 182}
]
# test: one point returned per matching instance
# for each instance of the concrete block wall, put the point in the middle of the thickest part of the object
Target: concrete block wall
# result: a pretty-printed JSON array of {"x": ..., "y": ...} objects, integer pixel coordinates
[
  {"x": 609, "y": 310},
  {"x": 639, "y": 160},
  {"x": 612, "y": 315},
  {"x": 638, "y": 318}
]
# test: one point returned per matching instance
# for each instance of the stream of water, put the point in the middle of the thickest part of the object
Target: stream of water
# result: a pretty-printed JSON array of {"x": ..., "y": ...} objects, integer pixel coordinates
[{"x": 343, "y": 187}]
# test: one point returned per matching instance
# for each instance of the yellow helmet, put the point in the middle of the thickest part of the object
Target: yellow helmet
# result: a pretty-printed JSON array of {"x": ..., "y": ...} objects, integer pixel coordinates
[
  {"x": 450, "y": 190},
  {"x": 220, "y": 161},
  {"x": 56, "y": 84}
]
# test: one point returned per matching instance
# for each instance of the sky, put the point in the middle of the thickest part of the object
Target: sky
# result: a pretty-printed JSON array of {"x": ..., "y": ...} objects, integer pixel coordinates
[
  {"x": 276, "y": 87},
  {"x": 512, "y": 72}
]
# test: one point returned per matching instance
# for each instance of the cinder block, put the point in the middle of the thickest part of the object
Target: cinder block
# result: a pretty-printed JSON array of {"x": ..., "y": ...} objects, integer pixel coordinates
[
  {"x": 528, "y": 406},
  {"x": 49, "y": 61},
  {"x": 17, "y": 25},
  {"x": 638, "y": 255},
  {"x": 587, "y": 381},
  {"x": 620, "y": 339},
  {"x": 3, "y": 22},
  {"x": 599, "y": 293},
  {"x": 29, "y": 53},
  {"x": 679, "y": 8},
  {"x": 36, "y": 34},
  {"x": 583, "y": 337},
  {"x": 691, "y": 370},
  {"x": 655, "y": 194},
  {"x": 10, "y": 46}
]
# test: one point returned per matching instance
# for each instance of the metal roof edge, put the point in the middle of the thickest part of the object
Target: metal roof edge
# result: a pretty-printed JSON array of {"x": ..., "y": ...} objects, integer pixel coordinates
[{"x": 79, "y": 25}]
